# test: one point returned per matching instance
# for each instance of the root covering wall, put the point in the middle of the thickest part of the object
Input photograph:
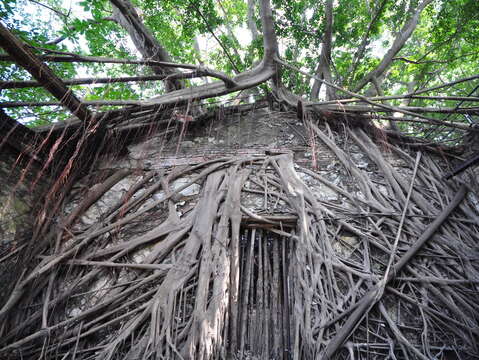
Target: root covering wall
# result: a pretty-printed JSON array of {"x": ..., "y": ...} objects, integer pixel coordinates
[
  {"x": 258, "y": 236},
  {"x": 20, "y": 190}
]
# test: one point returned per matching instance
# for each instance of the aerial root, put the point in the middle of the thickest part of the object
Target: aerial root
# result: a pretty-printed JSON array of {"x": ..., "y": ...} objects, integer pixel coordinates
[{"x": 304, "y": 275}]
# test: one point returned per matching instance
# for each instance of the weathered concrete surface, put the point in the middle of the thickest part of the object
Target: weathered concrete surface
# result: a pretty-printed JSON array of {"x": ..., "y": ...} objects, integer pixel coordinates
[
  {"x": 18, "y": 201},
  {"x": 261, "y": 133},
  {"x": 17, "y": 195}
]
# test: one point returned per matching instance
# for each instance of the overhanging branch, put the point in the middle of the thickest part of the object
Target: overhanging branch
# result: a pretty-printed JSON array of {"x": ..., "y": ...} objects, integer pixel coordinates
[
  {"x": 377, "y": 106},
  {"x": 109, "y": 80},
  {"x": 149, "y": 47},
  {"x": 200, "y": 70},
  {"x": 45, "y": 76},
  {"x": 324, "y": 67},
  {"x": 401, "y": 39}
]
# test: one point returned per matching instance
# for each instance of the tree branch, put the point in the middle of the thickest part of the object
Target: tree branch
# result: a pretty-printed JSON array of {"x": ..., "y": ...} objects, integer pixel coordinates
[
  {"x": 248, "y": 79},
  {"x": 45, "y": 76},
  {"x": 199, "y": 70},
  {"x": 250, "y": 20},
  {"x": 14, "y": 104},
  {"x": 60, "y": 38},
  {"x": 58, "y": 12},
  {"x": 220, "y": 43},
  {"x": 293, "y": 101},
  {"x": 107, "y": 80},
  {"x": 414, "y": 109},
  {"x": 397, "y": 45},
  {"x": 404, "y": 96},
  {"x": 324, "y": 67},
  {"x": 358, "y": 55},
  {"x": 126, "y": 15}
]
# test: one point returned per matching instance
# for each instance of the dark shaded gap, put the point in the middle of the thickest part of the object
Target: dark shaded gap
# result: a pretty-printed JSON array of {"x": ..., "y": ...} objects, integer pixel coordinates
[{"x": 264, "y": 307}]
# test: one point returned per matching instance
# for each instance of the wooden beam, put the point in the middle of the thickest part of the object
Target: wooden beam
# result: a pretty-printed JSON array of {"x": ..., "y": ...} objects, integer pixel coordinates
[{"x": 42, "y": 73}]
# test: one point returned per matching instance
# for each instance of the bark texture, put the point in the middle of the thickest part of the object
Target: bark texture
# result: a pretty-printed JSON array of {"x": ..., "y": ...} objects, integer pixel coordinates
[
  {"x": 324, "y": 65},
  {"x": 403, "y": 35},
  {"x": 148, "y": 46},
  {"x": 190, "y": 249}
]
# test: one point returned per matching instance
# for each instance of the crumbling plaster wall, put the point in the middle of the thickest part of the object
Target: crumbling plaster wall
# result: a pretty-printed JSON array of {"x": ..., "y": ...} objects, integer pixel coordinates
[
  {"x": 18, "y": 201},
  {"x": 260, "y": 132},
  {"x": 18, "y": 195}
]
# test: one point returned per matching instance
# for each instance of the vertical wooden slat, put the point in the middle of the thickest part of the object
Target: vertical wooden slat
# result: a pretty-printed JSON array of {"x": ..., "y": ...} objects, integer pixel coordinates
[
  {"x": 286, "y": 307},
  {"x": 267, "y": 297},
  {"x": 246, "y": 281},
  {"x": 259, "y": 333}
]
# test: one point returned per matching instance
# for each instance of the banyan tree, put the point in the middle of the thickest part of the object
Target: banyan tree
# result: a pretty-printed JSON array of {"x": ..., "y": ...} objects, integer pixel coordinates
[{"x": 312, "y": 194}]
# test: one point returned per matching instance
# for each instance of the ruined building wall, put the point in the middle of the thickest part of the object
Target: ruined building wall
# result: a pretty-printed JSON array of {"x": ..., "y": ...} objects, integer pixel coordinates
[{"x": 252, "y": 235}]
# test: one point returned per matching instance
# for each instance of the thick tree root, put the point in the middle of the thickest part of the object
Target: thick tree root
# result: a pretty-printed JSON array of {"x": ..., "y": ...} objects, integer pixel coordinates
[{"x": 258, "y": 264}]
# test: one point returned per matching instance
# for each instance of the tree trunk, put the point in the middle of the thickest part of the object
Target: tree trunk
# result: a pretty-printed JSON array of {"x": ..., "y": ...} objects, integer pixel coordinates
[
  {"x": 403, "y": 35},
  {"x": 324, "y": 66},
  {"x": 125, "y": 14}
]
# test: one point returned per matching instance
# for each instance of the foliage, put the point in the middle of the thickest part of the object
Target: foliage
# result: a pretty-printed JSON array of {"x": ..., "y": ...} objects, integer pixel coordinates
[{"x": 443, "y": 47}]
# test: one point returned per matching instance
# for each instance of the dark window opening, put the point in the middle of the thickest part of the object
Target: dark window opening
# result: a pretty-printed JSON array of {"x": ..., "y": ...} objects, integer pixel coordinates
[{"x": 264, "y": 302}]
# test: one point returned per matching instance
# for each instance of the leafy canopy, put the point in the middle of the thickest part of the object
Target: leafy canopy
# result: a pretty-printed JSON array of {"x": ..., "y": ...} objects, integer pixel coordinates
[{"x": 216, "y": 33}]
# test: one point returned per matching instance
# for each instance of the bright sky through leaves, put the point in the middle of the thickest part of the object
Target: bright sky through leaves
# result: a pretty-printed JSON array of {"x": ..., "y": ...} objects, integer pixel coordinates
[{"x": 442, "y": 45}]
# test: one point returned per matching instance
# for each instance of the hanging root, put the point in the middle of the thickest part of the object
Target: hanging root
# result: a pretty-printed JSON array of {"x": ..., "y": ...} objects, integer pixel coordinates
[{"x": 247, "y": 258}]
